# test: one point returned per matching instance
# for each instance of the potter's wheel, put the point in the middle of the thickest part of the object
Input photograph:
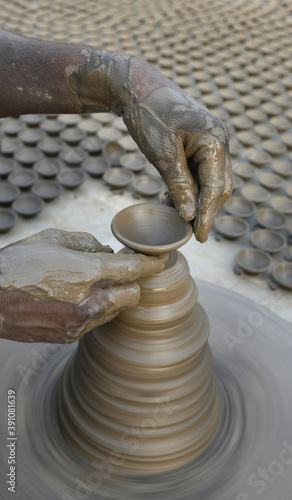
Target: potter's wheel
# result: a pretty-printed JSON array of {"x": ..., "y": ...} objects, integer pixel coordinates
[{"x": 251, "y": 455}]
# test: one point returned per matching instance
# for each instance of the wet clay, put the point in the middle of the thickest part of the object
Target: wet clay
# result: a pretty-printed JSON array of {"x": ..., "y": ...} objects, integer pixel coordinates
[{"x": 147, "y": 373}]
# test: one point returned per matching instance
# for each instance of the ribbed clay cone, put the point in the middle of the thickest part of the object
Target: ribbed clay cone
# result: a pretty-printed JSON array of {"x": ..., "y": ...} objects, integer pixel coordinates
[{"x": 142, "y": 387}]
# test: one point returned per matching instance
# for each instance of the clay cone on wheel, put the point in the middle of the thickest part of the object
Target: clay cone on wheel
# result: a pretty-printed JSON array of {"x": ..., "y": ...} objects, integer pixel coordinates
[{"x": 142, "y": 387}]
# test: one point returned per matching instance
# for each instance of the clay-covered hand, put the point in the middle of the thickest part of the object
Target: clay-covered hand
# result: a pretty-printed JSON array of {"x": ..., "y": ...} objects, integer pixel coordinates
[
  {"x": 57, "y": 285},
  {"x": 179, "y": 136},
  {"x": 183, "y": 140}
]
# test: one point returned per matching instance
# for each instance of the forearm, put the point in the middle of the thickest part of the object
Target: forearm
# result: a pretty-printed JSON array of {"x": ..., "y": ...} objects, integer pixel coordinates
[{"x": 45, "y": 77}]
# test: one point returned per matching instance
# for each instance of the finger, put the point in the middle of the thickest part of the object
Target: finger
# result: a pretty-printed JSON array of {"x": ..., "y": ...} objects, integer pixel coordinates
[
  {"x": 126, "y": 268},
  {"x": 81, "y": 241},
  {"x": 182, "y": 187},
  {"x": 115, "y": 299},
  {"x": 211, "y": 174},
  {"x": 121, "y": 297}
]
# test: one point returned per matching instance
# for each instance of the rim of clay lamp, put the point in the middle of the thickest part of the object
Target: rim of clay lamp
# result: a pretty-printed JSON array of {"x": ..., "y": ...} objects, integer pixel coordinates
[{"x": 151, "y": 228}]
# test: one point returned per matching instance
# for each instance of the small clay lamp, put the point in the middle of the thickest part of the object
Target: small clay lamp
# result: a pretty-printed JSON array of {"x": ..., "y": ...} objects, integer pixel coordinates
[
  {"x": 72, "y": 135},
  {"x": 151, "y": 228},
  {"x": 8, "y": 219},
  {"x": 231, "y": 227},
  {"x": 12, "y": 126},
  {"x": 8, "y": 193},
  {"x": 118, "y": 177},
  {"x": 27, "y": 156},
  {"x": 253, "y": 260},
  {"x": 95, "y": 166},
  {"x": 240, "y": 207},
  {"x": 92, "y": 145},
  {"x": 282, "y": 204},
  {"x": 6, "y": 166},
  {"x": 146, "y": 185},
  {"x": 9, "y": 145},
  {"x": 270, "y": 218},
  {"x": 30, "y": 136},
  {"x": 28, "y": 205},
  {"x": 23, "y": 178},
  {"x": 50, "y": 146},
  {"x": 133, "y": 161},
  {"x": 282, "y": 167},
  {"x": 47, "y": 167},
  {"x": 254, "y": 193},
  {"x": 268, "y": 240},
  {"x": 71, "y": 178},
  {"x": 47, "y": 189},
  {"x": 32, "y": 120},
  {"x": 283, "y": 274},
  {"x": 52, "y": 127}
]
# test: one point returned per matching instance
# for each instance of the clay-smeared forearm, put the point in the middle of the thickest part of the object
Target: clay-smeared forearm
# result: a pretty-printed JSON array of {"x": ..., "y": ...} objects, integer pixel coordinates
[{"x": 46, "y": 77}]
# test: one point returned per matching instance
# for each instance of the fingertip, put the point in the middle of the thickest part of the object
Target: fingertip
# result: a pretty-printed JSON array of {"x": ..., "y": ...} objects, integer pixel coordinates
[
  {"x": 152, "y": 265},
  {"x": 200, "y": 230},
  {"x": 187, "y": 211}
]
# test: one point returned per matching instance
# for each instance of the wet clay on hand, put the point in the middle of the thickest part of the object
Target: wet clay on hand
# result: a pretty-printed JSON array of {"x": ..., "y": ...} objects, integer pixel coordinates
[
  {"x": 178, "y": 135},
  {"x": 63, "y": 284},
  {"x": 183, "y": 140}
]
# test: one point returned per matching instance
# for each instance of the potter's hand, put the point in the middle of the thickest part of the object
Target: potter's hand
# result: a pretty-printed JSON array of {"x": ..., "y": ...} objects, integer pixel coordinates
[
  {"x": 56, "y": 285},
  {"x": 179, "y": 136},
  {"x": 183, "y": 140}
]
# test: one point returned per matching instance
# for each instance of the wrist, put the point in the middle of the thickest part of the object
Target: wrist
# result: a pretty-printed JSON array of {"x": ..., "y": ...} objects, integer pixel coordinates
[
  {"x": 118, "y": 82},
  {"x": 99, "y": 80}
]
